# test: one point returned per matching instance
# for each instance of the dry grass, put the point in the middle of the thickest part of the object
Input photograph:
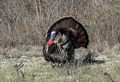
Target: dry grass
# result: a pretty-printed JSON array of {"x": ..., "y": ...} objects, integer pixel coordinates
[
  {"x": 26, "y": 21},
  {"x": 37, "y": 70},
  {"x": 25, "y": 67}
]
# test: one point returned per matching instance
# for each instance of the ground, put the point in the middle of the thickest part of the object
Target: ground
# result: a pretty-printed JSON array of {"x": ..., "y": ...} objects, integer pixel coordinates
[{"x": 26, "y": 64}]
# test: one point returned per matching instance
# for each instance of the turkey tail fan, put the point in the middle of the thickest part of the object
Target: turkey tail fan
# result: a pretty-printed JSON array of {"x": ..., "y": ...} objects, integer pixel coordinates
[
  {"x": 70, "y": 22},
  {"x": 83, "y": 39}
]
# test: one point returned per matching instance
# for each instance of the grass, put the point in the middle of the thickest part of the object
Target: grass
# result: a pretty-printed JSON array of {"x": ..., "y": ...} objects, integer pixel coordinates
[{"x": 36, "y": 69}]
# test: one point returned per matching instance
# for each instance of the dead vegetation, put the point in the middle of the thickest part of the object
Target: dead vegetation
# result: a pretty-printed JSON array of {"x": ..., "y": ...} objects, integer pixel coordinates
[{"x": 26, "y": 21}]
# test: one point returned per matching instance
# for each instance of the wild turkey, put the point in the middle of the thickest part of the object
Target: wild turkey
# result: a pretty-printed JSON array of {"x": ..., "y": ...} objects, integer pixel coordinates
[{"x": 73, "y": 35}]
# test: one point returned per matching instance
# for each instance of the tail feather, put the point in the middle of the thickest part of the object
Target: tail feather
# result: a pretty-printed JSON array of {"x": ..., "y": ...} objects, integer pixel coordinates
[{"x": 69, "y": 22}]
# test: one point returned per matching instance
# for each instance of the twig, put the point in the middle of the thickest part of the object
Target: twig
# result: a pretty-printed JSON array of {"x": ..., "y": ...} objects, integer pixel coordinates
[{"x": 108, "y": 75}]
